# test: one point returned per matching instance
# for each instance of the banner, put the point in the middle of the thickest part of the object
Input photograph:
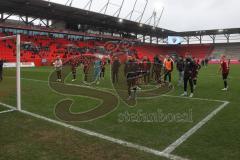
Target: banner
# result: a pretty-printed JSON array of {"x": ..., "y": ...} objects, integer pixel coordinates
[{"x": 23, "y": 64}]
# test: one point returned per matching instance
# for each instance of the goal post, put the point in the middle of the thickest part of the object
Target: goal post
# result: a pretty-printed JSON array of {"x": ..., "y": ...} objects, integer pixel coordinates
[
  {"x": 17, "y": 38},
  {"x": 18, "y": 66}
]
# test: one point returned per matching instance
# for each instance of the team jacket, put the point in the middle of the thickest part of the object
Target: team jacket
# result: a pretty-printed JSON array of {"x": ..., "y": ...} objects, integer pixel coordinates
[{"x": 188, "y": 67}]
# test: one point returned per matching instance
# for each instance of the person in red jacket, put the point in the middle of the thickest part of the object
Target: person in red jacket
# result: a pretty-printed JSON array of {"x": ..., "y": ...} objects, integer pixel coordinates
[{"x": 224, "y": 68}]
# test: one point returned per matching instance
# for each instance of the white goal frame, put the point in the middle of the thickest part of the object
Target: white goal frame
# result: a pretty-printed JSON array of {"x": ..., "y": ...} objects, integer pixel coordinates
[{"x": 18, "y": 67}]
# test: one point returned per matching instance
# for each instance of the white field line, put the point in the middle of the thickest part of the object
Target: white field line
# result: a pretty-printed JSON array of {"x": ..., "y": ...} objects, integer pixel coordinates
[
  {"x": 190, "y": 132},
  {"x": 70, "y": 84},
  {"x": 220, "y": 75},
  {"x": 166, "y": 152},
  {"x": 200, "y": 99},
  {"x": 101, "y": 136},
  {"x": 7, "y": 111}
]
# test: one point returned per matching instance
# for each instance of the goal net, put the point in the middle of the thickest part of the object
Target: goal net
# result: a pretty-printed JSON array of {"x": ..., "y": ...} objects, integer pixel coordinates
[{"x": 10, "y": 64}]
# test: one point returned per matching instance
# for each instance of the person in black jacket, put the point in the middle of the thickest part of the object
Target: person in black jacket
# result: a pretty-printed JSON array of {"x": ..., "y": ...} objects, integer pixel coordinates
[
  {"x": 188, "y": 75},
  {"x": 196, "y": 69},
  {"x": 131, "y": 72},
  {"x": 145, "y": 69},
  {"x": 180, "y": 68},
  {"x": 1, "y": 69},
  {"x": 157, "y": 68},
  {"x": 115, "y": 69}
]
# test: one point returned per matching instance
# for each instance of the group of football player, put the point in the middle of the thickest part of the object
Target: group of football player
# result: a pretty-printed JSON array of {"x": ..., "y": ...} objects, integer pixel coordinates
[
  {"x": 160, "y": 70},
  {"x": 139, "y": 71}
]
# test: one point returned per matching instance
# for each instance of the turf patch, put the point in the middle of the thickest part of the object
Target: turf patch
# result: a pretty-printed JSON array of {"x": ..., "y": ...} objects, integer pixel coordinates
[{"x": 39, "y": 139}]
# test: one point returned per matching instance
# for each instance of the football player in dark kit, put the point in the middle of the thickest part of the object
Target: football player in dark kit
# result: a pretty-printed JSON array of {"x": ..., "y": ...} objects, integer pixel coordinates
[
  {"x": 224, "y": 67},
  {"x": 146, "y": 67},
  {"x": 131, "y": 72},
  {"x": 157, "y": 68},
  {"x": 1, "y": 69},
  {"x": 103, "y": 68},
  {"x": 196, "y": 69},
  {"x": 115, "y": 69},
  {"x": 86, "y": 67},
  {"x": 188, "y": 75},
  {"x": 180, "y": 68},
  {"x": 74, "y": 64}
]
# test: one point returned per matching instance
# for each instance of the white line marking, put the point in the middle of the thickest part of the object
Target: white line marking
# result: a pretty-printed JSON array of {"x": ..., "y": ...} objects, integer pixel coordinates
[
  {"x": 201, "y": 99},
  {"x": 101, "y": 136},
  {"x": 185, "y": 136},
  {"x": 166, "y": 152},
  {"x": 7, "y": 111}
]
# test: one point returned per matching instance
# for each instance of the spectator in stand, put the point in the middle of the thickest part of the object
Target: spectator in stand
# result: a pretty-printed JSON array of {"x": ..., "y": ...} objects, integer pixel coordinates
[
  {"x": 115, "y": 69},
  {"x": 1, "y": 69},
  {"x": 58, "y": 67},
  {"x": 180, "y": 68}
]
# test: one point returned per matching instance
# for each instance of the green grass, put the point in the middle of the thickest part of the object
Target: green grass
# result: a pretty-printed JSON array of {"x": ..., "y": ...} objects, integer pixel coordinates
[
  {"x": 218, "y": 139},
  {"x": 27, "y": 138},
  {"x": 2, "y": 108}
]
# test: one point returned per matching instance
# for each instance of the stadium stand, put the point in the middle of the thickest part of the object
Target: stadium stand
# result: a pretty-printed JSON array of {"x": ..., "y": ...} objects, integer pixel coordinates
[
  {"x": 231, "y": 50},
  {"x": 43, "y": 49},
  {"x": 198, "y": 51}
]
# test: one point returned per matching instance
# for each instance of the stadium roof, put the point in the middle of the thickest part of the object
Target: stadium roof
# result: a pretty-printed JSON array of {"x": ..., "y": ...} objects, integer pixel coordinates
[
  {"x": 54, "y": 11},
  {"x": 48, "y": 10}
]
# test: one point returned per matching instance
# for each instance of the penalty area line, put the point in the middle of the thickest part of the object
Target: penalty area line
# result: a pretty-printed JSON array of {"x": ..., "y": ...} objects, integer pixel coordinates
[
  {"x": 195, "y": 128},
  {"x": 101, "y": 136},
  {"x": 165, "y": 153}
]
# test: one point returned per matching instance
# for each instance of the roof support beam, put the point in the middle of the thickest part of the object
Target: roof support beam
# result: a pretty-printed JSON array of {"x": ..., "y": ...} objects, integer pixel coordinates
[
  {"x": 105, "y": 7},
  {"x": 33, "y": 20},
  {"x": 227, "y": 37},
  {"x": 4, "y": 19},
  {"x": 159, "y": 19},
  {"x": 23, "y": 20},
  {"x": 118, "y": 12},
  {"x": 132, "y": 11},
  {"x": 213, "y": 38},
  {"x": 188, "y": 40},
  {"x": 89, "y": 5},
  {"x": 149, "y": 20},
  {"x": 144, "y": 9},
  {"x": 70, "y": 4},
  {"x": 199, "y": 38}
]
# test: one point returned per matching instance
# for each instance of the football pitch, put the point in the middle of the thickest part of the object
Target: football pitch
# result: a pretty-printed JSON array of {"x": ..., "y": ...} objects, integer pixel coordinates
[{"x": 205, "y": 127}]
